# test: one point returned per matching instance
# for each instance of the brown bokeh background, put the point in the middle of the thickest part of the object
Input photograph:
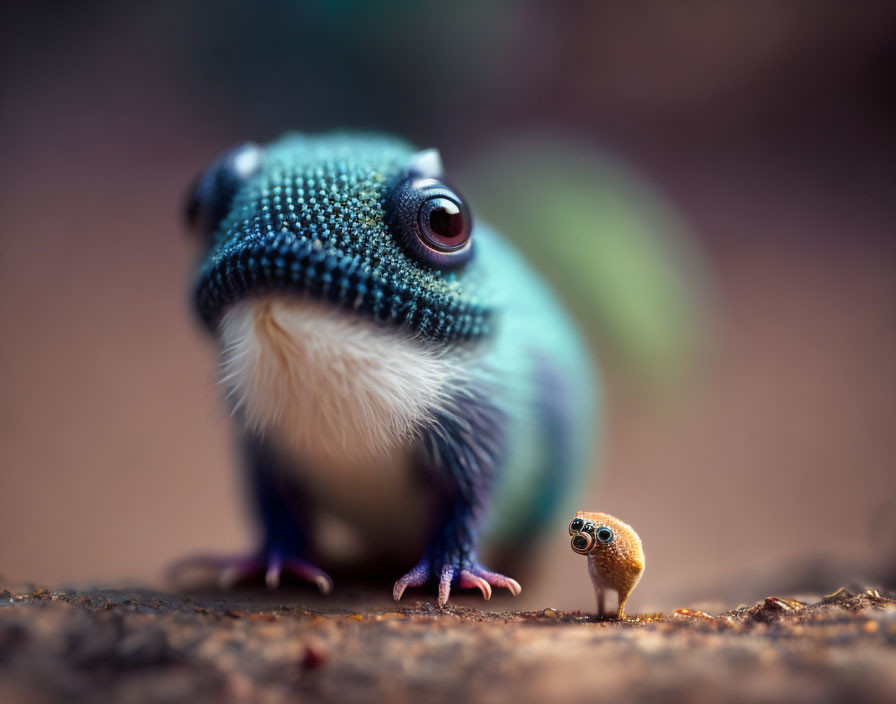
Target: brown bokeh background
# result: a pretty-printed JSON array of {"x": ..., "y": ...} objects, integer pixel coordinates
[{"x": 768, "y": 126}]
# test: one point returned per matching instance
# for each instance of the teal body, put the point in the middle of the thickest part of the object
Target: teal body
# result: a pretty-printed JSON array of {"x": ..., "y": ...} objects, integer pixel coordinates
[
  {"x": 549, "y": 394},
  {"x": 338, "y": 218}
]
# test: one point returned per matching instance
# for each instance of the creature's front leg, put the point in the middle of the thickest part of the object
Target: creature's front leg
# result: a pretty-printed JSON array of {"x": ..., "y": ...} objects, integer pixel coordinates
[
  {"x": 451, "y": 559},
  {"x": 465, "y": 446},
  {"x": 600, "y": 590},
  {"x": 282, "y": 510}
]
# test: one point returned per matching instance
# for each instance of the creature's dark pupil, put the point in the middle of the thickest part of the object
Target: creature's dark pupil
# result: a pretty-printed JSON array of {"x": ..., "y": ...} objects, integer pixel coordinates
[
  {"x": 577, "y": 523},
  {"x": 580, "y": 542},
  {"x": 604, "y": 535},
  {"x": 446, "y": 220}
]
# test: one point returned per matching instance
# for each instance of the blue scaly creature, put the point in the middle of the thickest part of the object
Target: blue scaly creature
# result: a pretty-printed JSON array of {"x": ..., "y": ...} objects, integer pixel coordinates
[{"x": 406, "y": 386}]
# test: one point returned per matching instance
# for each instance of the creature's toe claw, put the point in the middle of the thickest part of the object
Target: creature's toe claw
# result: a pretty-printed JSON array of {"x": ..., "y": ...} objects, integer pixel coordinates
[
  {"x": 468, "y": 580},
  {"x": 227, "y": 578},
  {"x": 324, "y": 583},
  {"x": 398, "y": 590},
  {"x": 310, "y": 573},
  {"x": 445, "y": 585},
  {"x": 272, "y": 576},
  {"x": 415, "y": 578},
  {"x": 514, "y": 587},
  {"x": 499, "y": 580}
]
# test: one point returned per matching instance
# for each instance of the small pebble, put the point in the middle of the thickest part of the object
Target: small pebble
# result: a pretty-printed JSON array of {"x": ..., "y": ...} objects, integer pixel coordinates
[
  {"x": 775, "y": 602},
  {"x": 691, "y": 613},
  {"x": 314, "y": 657}
]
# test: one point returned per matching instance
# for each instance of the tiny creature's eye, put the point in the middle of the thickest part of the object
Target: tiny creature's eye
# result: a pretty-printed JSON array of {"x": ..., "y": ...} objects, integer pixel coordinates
[
  {"x": 589, "y": 526},
  {"x": 604, "y": 534},
  {"x": 210, "y": 197},
  {"x": 580, "y": 542},
  {"x": 577, "y": 524},
  {"x": 431, "y": 221}
]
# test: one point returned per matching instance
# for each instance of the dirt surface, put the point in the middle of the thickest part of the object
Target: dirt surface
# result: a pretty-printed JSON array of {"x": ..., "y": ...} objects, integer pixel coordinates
[{"x": 138, "y": 645}]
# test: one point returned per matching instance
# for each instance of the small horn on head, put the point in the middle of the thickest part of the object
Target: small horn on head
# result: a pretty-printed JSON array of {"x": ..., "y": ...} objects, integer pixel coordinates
[{"x": 427, "y": 163}]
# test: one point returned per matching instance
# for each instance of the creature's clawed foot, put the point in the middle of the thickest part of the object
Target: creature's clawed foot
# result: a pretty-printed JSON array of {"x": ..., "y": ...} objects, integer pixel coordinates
[
  {"x": 236, "y": 569},
  {"x": 464, "y": 574}
]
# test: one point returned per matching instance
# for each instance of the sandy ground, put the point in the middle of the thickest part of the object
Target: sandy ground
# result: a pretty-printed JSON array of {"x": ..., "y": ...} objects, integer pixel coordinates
[{"x": 144, "y": 646}]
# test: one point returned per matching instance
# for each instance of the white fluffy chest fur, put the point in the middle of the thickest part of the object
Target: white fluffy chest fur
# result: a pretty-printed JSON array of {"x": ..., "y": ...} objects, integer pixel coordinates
[{"x": 346, "y": 398}]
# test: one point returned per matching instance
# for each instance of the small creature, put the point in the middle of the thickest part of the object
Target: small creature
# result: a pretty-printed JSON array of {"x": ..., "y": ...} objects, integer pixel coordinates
[
  {"x": 615, "y": 555},
  {"x": 404, "y": 384}
]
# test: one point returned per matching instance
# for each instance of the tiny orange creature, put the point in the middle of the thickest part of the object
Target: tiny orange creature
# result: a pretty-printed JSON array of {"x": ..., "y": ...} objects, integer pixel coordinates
[{"x": 615, "y": 555}]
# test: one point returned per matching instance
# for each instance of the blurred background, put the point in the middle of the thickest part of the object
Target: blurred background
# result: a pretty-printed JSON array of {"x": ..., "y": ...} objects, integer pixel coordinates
[{"x": 718, "y": 180}]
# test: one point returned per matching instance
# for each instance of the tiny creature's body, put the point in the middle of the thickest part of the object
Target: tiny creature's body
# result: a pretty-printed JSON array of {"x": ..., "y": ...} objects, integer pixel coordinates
[
  {"x": 615, "y": 555},
  {"x": 403, "y": 381}
]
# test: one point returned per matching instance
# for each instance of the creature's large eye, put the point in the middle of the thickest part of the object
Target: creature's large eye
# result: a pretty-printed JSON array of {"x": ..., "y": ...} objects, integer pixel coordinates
[
  {"x": 576, "y": 524},
  {"x": 212, "y": 193},
  {"x": 604, "y": 534},
  {"x": 431, "y": 221}
]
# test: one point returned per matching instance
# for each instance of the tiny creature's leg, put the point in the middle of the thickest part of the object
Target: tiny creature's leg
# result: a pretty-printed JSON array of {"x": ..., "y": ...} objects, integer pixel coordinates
[
  {"x": 601, "y": 602},
  {"x": 623, "y": 597},
  {"x": 625, "y": 592},
  {"x": 599, "y": 588}
]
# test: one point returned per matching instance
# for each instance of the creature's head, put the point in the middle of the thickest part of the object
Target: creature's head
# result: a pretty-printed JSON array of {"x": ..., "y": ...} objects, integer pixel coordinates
[
  {"x": 359, "y": 222},
  {"x": 341, "y": 276},
  {"x": 605, "y": 536}
]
